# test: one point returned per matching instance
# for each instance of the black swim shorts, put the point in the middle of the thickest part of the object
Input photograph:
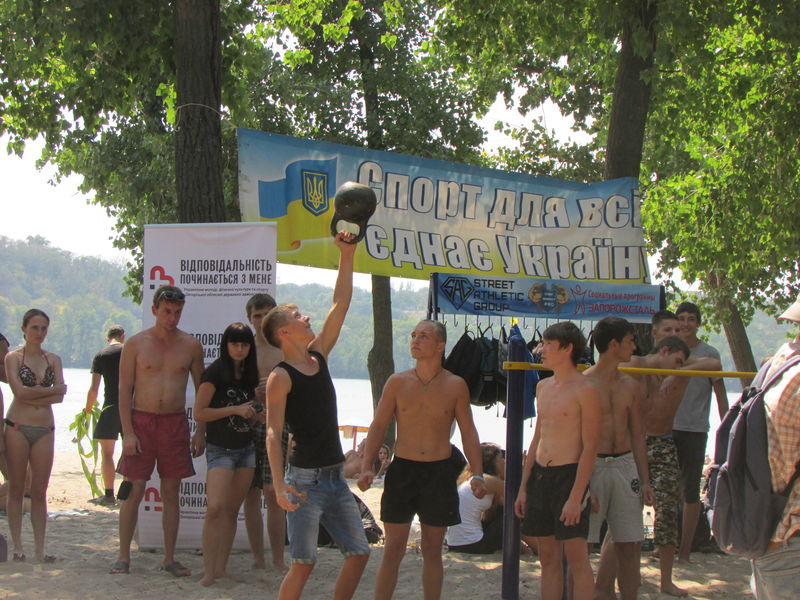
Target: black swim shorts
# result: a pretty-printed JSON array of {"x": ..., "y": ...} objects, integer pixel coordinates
[
  {"x": 548, "y": 489},
  {"x": 427, "y": 489},
  {"x": 108, "y": 426}
]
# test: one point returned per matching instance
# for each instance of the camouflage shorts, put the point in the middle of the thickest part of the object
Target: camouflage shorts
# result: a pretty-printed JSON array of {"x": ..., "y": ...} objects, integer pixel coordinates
[
  {"x": 665, "y": 474},
  {"x": 263, "y": 473}
]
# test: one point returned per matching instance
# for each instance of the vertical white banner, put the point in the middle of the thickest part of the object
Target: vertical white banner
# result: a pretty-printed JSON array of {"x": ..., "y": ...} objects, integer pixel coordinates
[{"x": 218, "y": 266}]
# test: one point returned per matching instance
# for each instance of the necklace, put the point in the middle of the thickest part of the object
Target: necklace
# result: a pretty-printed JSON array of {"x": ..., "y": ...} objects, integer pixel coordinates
[{"x": 426, "y": 384}]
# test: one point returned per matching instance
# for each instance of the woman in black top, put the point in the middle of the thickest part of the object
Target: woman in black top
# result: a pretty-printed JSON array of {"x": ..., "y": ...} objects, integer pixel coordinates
[{"x": 225, "y": 401}]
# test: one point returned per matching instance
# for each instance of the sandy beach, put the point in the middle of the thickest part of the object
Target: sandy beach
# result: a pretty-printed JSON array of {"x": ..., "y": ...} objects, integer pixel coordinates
[{"x": 84, "y": 537}]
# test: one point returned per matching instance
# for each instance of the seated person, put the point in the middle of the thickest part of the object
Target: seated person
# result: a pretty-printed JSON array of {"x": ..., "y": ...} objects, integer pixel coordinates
[
  {"x": 481, "y": 527},
  {"x": 352, "y": 461},
  {"x": 384, "y": 460}
]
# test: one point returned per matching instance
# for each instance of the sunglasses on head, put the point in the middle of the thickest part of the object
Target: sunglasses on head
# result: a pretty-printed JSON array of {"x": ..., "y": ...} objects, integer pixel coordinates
[{"x": 171, "y": 296}]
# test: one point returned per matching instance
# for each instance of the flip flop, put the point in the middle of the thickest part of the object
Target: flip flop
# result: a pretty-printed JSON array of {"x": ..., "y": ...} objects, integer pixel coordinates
[
  {"x": 47, "y": 559},
  {"x": 176, "y": 569},
  {"x": 120, "y": 568},
  {"x": 18, "y": 557}
]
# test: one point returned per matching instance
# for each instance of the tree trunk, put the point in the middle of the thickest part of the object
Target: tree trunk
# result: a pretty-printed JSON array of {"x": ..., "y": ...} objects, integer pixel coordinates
[
  {"x": 631, "y": 101},
  {"x": 629, "y": 108},
  {"x": 198, "y": 141},
  {"x": 734, "y": 328},
  {"x": 380, "y": 362}
]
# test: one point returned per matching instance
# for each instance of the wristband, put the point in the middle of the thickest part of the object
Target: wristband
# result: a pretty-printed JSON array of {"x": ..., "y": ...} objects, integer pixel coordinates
[{"x": 478, "y": 477}]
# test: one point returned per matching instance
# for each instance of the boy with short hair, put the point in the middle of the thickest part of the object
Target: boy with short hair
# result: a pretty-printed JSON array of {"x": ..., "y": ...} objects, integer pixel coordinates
[
  {"x": 300, "y": 392},
  {"x": 553, "y": 494},
  {"x": 620, "y": 480}
]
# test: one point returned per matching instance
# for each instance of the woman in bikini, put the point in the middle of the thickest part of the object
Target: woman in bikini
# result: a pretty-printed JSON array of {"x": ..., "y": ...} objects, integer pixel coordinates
[{"x": 37, "y": 382}]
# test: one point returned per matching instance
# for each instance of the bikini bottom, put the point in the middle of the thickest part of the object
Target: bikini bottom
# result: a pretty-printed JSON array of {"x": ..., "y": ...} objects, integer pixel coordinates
[{"x": 32, "y": 433}]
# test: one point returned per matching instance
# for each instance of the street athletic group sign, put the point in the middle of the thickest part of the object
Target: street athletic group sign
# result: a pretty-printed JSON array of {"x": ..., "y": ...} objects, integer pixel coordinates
[
  {"x": 441, "y": 217},
  {"x": 542, "y": 298}
]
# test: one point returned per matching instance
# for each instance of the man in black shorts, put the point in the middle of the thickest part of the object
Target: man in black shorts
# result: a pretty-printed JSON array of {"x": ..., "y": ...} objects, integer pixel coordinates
[
  {"x": 108, "y": 428},
  {"x": 553, "y": 495},
  {"x": 422, "y": 477}
]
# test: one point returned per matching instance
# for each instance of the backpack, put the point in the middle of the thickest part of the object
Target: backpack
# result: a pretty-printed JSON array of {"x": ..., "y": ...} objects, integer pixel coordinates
[
  {"x": 743, "y": 509},
  {"x": 494, "y": 352},
  {"x": 465, "y": 361}
]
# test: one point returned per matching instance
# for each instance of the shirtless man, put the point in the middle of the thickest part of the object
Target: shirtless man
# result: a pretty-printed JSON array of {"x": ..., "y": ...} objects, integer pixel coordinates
[
  {"x": 153, "y": 372},
  {"x": 422, "y": 477},
  {"x": 553, "y": 499},
  {"x": 268, "y": 356},
  {"x": 663, "y": 397},
  {"x": 665, "y": 324},
  {"x": 660, "y": 400},
  {"x": 620, "y": 479},
  {"x": 300, "y": 392}
]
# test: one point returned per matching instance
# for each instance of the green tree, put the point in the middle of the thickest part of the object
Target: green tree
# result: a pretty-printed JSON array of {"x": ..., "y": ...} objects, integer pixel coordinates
[
  {"x": 99, "y": 82},
  {"x": 382, "y": 94},
  {"x": 611, "y": 66},
  {"x": 725, "y": 212}
]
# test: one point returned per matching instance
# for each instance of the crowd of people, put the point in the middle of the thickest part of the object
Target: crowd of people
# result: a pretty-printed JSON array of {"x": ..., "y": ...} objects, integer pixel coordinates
[{"x": 605, "y": 444}]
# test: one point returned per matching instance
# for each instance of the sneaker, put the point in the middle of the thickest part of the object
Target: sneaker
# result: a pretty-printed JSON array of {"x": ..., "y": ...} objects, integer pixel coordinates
[{"x": 104, "y": 501}]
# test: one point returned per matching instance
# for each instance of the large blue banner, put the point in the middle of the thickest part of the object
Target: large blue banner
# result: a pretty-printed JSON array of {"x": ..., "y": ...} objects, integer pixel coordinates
[
  {"x": 542, "y": 298},
  {"x": 435, "y": 216}
]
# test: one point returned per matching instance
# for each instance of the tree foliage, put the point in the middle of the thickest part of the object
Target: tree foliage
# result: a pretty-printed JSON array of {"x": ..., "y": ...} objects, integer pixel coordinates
[
  {"x": 719, "y": 156},
  {"x": 723, "y": 207}
]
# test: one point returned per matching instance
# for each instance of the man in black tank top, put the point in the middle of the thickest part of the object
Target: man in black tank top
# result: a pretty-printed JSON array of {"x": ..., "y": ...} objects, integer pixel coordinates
[
  {"x": 300, "y": 393},
  {"x": 105, "y": 366}
]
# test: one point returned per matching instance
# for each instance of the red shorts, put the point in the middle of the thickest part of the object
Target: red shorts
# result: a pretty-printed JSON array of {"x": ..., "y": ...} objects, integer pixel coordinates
[{"x": 163, "y": 438}]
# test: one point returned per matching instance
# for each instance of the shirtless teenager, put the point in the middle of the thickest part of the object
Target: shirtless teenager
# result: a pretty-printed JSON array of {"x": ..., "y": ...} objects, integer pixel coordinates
[
  {"x": 620, "y": 479},
  {"x": 268, "y": 356},
  {"x": 660, "y": 404},
  {"x": 553, "y": 498},
  {"x": 665, "y": 324},
  {"x": 422, "y": 477},
  {"x": 300, "y": 392},
  {"x": 153, "y": 372}
]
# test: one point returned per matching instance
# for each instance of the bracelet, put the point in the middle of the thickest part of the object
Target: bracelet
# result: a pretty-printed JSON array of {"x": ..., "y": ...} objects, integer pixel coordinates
[{"x": 478, "y": 477}]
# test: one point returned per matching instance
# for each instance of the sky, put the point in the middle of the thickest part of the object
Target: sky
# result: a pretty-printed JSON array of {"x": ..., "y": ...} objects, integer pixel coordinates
[{"x": 31, "y": 205}]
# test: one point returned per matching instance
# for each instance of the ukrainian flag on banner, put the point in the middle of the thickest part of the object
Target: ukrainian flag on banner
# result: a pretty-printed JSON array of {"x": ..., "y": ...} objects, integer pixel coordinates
[{"x": 301, "y": 203}]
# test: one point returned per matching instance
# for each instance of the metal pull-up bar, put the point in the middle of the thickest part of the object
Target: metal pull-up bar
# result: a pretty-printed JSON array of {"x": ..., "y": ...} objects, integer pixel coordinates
[
  {"x": 528, "y": 366},
  {"x": 516, "y": 367}
]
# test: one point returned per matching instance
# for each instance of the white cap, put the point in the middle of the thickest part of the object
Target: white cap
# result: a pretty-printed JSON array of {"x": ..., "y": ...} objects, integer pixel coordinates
[{"x": 793, "y": 312}]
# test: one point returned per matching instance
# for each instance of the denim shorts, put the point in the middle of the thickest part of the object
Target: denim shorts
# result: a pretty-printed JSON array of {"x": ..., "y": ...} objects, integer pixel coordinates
[
  {"x": 230, "y": 458},
  {"x": 327, "y": 501},
  {"x": 776, "y": 575}
]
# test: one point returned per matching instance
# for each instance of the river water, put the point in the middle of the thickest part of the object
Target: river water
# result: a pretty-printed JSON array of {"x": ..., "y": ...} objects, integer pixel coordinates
[{"x": 354, "y": 407}]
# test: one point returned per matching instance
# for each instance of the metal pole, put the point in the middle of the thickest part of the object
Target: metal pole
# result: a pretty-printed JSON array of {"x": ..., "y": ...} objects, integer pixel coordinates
[{"x": 514, "y": 406}]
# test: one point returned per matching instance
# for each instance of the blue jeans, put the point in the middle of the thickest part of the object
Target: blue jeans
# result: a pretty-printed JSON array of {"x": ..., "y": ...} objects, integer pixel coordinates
[
  {"x": 230, "y": 458},
  {"x": 329, "y": 501},
  {"x": 776, "y": 575}
]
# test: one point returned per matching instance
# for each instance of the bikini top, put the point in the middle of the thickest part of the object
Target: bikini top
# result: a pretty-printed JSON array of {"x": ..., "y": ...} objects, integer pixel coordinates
[{"x": 28, "y": 377}]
